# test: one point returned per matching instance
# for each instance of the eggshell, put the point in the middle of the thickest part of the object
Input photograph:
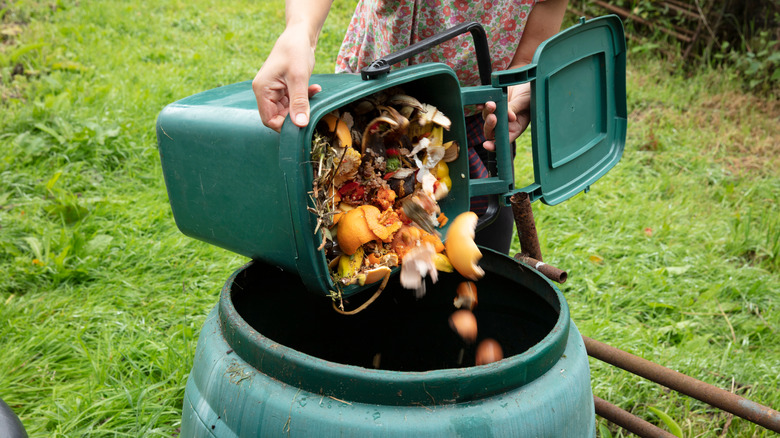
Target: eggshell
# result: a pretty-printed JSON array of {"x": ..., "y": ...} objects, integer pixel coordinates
[{"x": 489, "y": 351}]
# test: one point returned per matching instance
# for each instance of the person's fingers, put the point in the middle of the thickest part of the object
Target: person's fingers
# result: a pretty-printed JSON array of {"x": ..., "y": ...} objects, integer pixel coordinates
[
  {"x": 488, "y": 108},
  {"x": 490, "y": 126},
  {"x": 519, "y": 98},
  {"x": 269, "y": 101},
  {"x": 281, "y": 86},
  {"x": 276, "y": 122},
  {"x": 490, "y": 130},
  {"x": 488, "y": 113},
  {"x": 273, "y": 105},
  {"x": 271, "y": 110},
  {"x": 298, "y": 92},
  {"x": 523, "y": 119}
]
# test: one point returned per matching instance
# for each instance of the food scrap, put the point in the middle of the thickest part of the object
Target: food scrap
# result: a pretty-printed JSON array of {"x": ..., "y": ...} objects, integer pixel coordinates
[
  {"x": 464, "y": 323},
  {"x": 463, "y": 251},
  {"x": 466, "y": 296},
  {"x": 488, "y": 351},
  {"x": 380, "y": 170}
]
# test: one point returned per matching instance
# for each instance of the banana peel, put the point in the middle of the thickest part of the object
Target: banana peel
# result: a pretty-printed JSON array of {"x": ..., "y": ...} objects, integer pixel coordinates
[
  {"x": 349, "y": 265},
  {"x": 442, "y": 263}
]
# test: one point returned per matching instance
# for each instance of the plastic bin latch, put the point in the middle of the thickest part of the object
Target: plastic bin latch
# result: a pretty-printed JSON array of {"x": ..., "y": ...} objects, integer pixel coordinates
[{"x": 515, "y": 76}]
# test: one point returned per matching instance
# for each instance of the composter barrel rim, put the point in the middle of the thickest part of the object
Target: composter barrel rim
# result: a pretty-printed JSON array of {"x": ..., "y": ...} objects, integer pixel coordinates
[{"x": 445, "y": 386}]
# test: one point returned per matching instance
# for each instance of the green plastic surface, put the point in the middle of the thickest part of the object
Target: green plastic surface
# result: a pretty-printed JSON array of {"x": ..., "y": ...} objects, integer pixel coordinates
[
  {"x": 250, "y": 382},
  {"x": 236, "y": 184},
  {"x": 578, "y": 109}
]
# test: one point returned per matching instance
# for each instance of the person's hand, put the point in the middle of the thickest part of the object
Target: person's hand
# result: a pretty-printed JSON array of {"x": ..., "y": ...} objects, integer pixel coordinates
[
  {"x": 518, "y": 112},
  {"x": 281, "y": 86}
]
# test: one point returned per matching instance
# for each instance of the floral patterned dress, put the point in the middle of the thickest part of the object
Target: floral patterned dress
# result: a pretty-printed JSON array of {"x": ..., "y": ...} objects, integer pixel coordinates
[{"x": 381, "y": 27}]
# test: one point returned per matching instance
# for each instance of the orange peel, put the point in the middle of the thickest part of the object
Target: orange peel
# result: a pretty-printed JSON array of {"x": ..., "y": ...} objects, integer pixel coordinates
[
  {"x": 374, "y": 259},
  {"x": 342, "y": 131},
  {"x": 434, "y": 240},
  {"x": 460, "y": 247},
  {"x": 384, "y": 198},
  {"x": 375, "y": 224},
  {"x": 442, "y": 219},
  {"x": 353, "y": 231},
  {"x": 376, "y": 274}
]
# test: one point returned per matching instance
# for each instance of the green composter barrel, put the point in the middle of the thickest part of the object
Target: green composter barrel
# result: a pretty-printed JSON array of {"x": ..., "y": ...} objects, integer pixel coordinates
[{"x": 276, "y": 360}]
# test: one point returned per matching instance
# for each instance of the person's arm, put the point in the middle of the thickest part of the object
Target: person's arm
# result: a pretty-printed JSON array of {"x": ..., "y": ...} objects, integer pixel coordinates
[
  {"x": 544, "y": 22},
  {"x": 281, "y": 86}
]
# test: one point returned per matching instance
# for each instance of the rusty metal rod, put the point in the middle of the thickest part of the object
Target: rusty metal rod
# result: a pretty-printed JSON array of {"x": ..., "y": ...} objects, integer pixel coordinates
[
  {"x": 712, "y": 395},
  {"x": 549, "y": 271},
  {"x": 628, "y": 421},
  {"x": 526, "y": 227}
]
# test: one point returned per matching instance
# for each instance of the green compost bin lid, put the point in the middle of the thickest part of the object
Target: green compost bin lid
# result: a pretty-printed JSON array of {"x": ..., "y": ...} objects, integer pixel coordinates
[{"x": 578, "y": 115}]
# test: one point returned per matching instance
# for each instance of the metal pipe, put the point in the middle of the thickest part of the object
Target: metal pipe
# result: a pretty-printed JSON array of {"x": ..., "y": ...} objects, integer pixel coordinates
[
  {"x": 549, "y": 271},
  {"x": 628, "y": 421},
  {"x": 712, "y": 395},
  {"x": 526, "y": 227}
]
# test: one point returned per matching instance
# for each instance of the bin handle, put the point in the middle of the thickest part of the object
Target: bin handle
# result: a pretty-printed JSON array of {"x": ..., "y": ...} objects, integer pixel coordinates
[{"x": 381, "y": 66}]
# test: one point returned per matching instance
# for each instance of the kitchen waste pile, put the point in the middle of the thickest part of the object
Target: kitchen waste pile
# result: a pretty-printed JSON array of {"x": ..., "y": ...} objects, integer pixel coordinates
[{"x": 380, "y": 169}]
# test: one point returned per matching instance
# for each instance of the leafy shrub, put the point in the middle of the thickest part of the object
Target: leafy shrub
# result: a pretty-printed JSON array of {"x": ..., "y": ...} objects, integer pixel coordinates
[{"x": 741, "y": 37}]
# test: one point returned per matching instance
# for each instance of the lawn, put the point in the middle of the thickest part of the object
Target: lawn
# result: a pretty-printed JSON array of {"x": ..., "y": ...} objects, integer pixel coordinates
[{"x": 674, "y": 255}]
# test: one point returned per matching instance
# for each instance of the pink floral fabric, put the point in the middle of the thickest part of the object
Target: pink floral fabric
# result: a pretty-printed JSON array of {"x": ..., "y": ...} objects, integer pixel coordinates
[{"x": 381, "y": 27}]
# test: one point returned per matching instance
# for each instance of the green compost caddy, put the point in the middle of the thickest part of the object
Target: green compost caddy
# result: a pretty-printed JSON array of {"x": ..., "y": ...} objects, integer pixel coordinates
[{"x": 274, "y": 359}]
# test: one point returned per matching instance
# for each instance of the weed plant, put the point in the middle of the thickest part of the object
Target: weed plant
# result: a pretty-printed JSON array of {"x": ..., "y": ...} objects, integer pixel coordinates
[
  {"x": 740, "y": 38},
  {"x": 672, "y": 256}
]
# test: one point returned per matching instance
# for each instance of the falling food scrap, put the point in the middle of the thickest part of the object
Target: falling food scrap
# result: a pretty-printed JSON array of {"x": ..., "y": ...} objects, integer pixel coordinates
[
  {"x": 461, "y": 248},
  {"x": 465, "y": 324},
  {"x": 467, "y": 296},
  {"x": 488, "y": 351}
]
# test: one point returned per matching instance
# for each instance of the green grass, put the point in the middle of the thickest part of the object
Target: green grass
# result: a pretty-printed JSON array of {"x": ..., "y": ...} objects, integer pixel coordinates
[{"x": 673, "y": 255}]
